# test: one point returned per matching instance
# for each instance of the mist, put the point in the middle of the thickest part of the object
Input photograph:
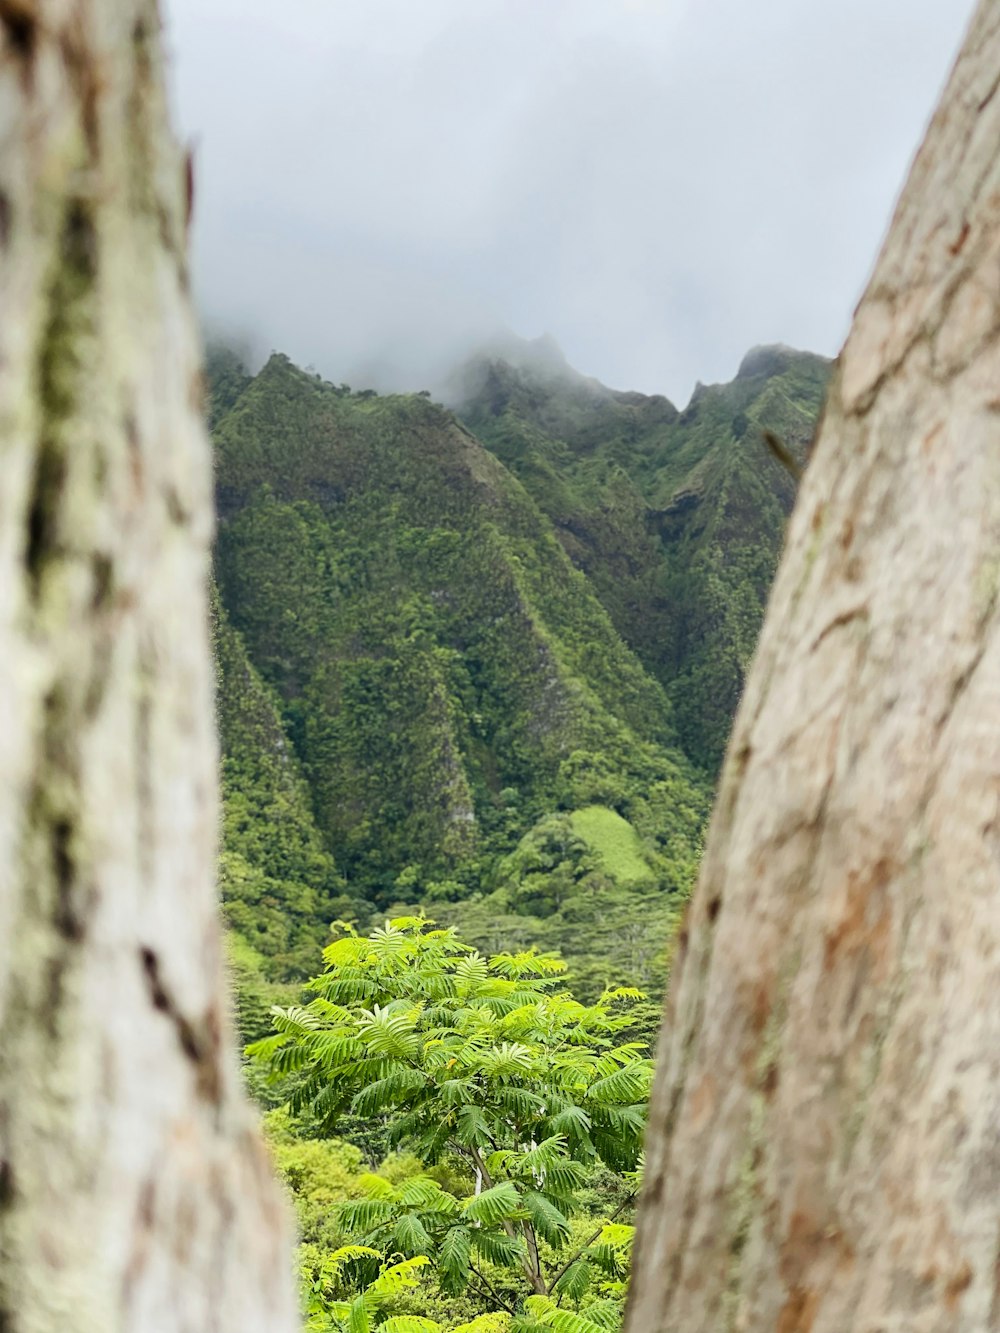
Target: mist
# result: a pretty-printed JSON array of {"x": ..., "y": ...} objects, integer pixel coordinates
[{"x": 383, "y": 186}]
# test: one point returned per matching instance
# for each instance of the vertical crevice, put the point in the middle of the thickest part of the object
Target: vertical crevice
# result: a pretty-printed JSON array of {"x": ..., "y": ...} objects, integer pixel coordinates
[{"x": 59, "y": 373}]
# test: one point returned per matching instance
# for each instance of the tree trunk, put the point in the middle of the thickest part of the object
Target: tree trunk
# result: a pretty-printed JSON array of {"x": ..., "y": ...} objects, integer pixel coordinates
[
  {"x": 824, "y": 1152},
  {"x": 133, "y": 1191}
]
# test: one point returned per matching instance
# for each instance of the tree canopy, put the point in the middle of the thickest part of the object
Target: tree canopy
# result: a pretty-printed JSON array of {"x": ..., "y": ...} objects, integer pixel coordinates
[{"x": 490, "y": 1062}]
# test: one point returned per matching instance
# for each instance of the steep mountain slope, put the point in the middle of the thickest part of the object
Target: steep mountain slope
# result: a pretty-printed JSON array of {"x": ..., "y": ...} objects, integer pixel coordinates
[
  {"x": 410, "y": 660},
  {"x": 677, "y": 518},
  {"x": 465, "y": 676},
  {"x": 279, "y": 883}
]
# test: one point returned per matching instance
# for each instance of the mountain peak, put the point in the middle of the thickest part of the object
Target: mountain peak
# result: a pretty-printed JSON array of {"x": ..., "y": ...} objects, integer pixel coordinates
[
  {"x": 542, "y": 353},
  {"x": 770, "y": 359}
]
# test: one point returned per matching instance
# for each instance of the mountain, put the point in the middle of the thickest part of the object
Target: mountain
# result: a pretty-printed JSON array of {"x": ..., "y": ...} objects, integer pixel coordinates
[
  {"x": 483, "y": 661},
  {"x": 422, "y": 700},
  {"x": 676, "y": 518}
]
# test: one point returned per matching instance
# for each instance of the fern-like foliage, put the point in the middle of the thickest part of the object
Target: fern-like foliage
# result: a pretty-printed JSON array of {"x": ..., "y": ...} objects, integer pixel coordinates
[
  {"x": 489, "y": 1059},
  {"x": 541, "y": 1312},
  {"x": 362, "y": 1313}
]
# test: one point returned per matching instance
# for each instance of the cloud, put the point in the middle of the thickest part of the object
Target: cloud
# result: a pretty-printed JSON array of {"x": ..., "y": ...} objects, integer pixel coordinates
[{"x": 659, "y": 184}]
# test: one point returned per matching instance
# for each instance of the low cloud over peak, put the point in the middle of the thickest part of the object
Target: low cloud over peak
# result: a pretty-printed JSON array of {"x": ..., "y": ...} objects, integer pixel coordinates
[{"x": 384, "y": 186}]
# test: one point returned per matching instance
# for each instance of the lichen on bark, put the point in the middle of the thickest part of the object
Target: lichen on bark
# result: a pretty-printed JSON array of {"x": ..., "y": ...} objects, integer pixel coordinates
[
  {"x": 823, "y": 1152},
  {"x": 133, "y": 1190}
]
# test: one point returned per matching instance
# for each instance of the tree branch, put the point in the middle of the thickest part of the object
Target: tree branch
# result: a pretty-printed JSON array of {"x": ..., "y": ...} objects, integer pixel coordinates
[
  {"x": 492, "y": 1291},
  {"x": 532, "y": 1273},
  {"x": 534, "y": 1266},
  {"x": 590, "y": 1240}
]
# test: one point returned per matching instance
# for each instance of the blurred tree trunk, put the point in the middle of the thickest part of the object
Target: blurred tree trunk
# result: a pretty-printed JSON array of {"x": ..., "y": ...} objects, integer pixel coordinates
[
  {"x": 824, "y": 1153},
  {"x": 133, "y": 1191}
]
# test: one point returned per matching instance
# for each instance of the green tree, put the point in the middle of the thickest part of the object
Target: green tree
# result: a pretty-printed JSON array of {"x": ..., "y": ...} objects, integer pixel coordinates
[{"x": 487, "y": 1061}]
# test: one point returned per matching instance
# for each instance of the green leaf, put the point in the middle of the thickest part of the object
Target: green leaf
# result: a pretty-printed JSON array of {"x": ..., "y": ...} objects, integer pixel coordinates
[
  {"x": 508, "y": 1060},
  {"x": 422, "y": 1192},
  {"x": 397, "y": 1278},
  {"x": 397, "y": 1086},
  {"x": 457, "y": 1091},
  {"x": 409, "y": 1323},
  {"x": 494, "y": 1205},
  {"x": 543, "y": 1155},
  {"x": 546, "y": 1218},
  {"x": 471, "y": 1126},
  {"x": 295, "y": 1020},
  {"x": 333, "y": 1049},
  {"x": 345, "y": 1254},
  {"x": 403, "y": 924},
  {"x": 522, "y": 1104},
  {"x": 626, "y": 1085},
  {"x": 364, "y": 1215},
  {"x": 375, "y": 1187},
  {"x": 571, "y": 1120},
  {"x": 498, "y": 1163},
  {"x": 497, "y": 1321},
  {"x": 387, "y": 1032},
  {"x": 546, "y": 1312},
  {"x": 410, "y": 1236},
  {"x": 607, "y": 1314},
  {"x": 289, "y": 1059},
  {"x": 499, "y": 1248},
  {"x": 358, "y": 1320},
  {"x": 564, "y": 1177},
  {"x": 609, "y": 1259},
  {"x": 575, "y": 1280},
  {"x": 264, "y": 1049},
  {"x": 453, "y": 1258},
  {"x": 618, "y": 1234}
]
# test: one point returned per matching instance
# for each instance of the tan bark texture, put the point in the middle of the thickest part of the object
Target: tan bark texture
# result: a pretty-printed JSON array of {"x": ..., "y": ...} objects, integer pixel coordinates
[
  {"x": 134, "y": 1194},
  {"x": 824, "y": 1154}
]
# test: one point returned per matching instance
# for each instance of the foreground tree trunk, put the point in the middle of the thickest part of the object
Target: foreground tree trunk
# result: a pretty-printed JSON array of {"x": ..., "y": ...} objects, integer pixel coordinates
[
  {"x": 133, "y": 1191},
  {"x": 824, "y": 1153}
]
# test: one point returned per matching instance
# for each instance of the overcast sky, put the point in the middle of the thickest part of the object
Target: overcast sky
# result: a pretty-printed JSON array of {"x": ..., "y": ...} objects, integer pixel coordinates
[{"x": 659, "y": 184}]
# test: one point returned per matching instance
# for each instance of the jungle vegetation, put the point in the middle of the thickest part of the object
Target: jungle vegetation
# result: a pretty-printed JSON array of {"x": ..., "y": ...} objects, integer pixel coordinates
[{"x": 476, "y": 664}]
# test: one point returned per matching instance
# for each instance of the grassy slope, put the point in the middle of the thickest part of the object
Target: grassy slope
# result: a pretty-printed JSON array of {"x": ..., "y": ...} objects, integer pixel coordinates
[{"x": 615, "y": 842}]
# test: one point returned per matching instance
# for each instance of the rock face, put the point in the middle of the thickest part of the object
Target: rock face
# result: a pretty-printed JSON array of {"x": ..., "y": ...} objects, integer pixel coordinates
[
  {"x": 133, "y": 1191},
  {"x": 823, "y": 1153}
]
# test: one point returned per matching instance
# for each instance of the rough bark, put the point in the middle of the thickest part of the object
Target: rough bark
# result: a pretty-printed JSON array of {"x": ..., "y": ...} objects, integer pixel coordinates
[
  {"x": 133, "y": 1191},
  {"x": 824, "y": 1153}
]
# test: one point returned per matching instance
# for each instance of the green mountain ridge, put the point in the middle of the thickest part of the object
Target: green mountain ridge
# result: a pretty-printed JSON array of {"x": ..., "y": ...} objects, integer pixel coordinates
[
  {"x": 484, "y": 661},
  {"x": 676, "y": 518}
]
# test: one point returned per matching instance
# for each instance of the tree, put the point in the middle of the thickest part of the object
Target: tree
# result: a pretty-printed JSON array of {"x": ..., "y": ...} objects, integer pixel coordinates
[
  {"x": 823, "y": 1151},
  {"x": 482, "y": 1060},
  {"x": 133, "y": 1190}
]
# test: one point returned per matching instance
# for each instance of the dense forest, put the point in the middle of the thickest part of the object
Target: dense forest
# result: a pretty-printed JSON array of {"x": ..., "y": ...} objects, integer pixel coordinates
[{"x": 477, "y": 664}]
